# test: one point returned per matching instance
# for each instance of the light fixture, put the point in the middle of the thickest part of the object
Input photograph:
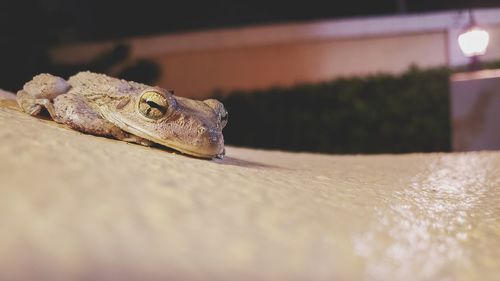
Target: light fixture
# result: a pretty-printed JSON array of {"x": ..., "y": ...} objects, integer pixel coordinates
[{"x": 473, "y": 42}]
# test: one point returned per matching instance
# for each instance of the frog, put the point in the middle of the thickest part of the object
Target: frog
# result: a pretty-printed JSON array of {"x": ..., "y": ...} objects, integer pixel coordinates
[{"x": 101, "y": 105}]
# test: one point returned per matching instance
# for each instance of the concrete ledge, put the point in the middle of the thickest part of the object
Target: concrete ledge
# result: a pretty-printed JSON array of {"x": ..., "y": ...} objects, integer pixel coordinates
[{"x": 79, "y": 207}]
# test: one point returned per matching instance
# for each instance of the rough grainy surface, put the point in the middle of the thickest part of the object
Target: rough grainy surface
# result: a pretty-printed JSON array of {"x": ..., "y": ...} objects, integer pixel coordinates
[
  {"x": 79, "y": 207},
  {"x": 5, "y": 95}
]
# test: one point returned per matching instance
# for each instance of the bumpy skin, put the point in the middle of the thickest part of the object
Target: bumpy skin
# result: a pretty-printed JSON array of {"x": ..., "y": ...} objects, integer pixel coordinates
[
  {"x": 80, "y": 116},
  {"x": 101, "y": 105}
]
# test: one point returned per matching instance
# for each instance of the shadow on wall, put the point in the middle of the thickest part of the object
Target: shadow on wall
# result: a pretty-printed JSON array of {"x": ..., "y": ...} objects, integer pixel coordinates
[{"x": 115, "y": 62}]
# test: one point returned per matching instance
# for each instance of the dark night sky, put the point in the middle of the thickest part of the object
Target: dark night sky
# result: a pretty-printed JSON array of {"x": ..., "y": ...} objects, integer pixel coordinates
[{"x": 84, "y": 20}]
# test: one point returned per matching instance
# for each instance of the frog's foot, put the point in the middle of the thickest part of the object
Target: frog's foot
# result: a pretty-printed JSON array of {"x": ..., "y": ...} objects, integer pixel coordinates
[
  {"x": 221, "y": 154},
  {"x": 34, "y": 106},
  {"x": 46, "y": 86},
  {"x": 40, "y": 92}
]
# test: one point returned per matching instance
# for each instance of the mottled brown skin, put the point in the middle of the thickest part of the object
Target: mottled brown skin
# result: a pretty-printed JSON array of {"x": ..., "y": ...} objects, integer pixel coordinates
[{"x": 101, "y": 105}]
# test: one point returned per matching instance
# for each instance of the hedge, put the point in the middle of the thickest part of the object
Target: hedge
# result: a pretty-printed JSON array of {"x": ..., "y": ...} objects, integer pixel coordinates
[{"x": 376, "y": 114}]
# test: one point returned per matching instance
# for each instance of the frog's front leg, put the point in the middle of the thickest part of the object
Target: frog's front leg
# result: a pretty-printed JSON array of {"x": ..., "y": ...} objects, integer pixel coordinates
[
  {"x": 40, "y": 92},
  {"x": 72, "y": 110}
]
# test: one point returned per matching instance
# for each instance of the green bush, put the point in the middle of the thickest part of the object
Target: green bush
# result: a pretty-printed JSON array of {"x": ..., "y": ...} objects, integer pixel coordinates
[{"x": 376, "y": 114}]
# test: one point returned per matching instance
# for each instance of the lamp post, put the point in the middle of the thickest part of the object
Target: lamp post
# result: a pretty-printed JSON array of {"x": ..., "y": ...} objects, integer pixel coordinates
[{"x": 473, "y": 42}]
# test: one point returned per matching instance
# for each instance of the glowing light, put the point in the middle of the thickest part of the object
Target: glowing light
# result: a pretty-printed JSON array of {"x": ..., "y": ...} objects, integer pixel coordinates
[{"x": 474, "y": 42}]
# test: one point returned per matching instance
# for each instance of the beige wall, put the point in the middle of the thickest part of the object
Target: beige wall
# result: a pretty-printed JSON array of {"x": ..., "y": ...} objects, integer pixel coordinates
[
  {"x": 248, "y": 58},
  {"x": 199, "y": 73},
  {"x": 475, "y": 110},
  {"x": 493, "y": 51}
]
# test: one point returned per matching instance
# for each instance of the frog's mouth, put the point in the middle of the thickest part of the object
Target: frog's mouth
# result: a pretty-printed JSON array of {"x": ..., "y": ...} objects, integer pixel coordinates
[
  {"x": 203, "y": 151},
  {"x": 194, "y": 151}
]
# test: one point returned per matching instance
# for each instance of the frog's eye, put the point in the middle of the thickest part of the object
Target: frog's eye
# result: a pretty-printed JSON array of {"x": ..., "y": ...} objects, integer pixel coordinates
[{"x": 153, "y": 105}]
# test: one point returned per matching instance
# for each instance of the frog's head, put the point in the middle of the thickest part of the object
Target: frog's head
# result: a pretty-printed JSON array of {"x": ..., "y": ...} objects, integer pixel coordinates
[{"x": 189, "y": 126}]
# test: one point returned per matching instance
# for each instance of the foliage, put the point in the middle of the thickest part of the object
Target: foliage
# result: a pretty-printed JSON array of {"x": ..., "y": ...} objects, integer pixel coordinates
[{"x": 376, "y": 114}]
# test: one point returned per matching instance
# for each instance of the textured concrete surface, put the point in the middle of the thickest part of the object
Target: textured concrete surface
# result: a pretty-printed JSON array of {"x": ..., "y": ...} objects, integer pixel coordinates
[
  {"x": 79, "y": 207},
  {"x": 5, "y": 95}
]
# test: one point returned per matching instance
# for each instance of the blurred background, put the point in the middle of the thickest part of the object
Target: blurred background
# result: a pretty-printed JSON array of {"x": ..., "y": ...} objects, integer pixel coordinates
[{"x": 322, "y": 76}]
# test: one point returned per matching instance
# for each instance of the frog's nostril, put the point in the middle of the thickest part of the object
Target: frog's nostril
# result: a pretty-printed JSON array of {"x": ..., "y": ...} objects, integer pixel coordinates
[
  {"x": 215, "y": 135},
  {"x": 224, "y": 117}
]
